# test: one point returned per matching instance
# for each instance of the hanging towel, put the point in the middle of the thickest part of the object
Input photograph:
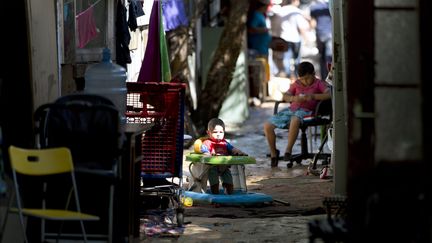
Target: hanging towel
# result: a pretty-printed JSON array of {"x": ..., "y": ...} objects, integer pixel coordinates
[
  {"x": 122, "y": 37},
  {"x": 86, "y": 26},
  {"x": 135, "y": 11},
  {"x": 174, "y": 14},
  {"x": 155, "y": 65}
]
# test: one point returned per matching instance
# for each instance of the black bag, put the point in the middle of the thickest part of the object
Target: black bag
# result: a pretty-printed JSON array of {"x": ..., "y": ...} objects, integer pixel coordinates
[{"x": 278, "y": 44}]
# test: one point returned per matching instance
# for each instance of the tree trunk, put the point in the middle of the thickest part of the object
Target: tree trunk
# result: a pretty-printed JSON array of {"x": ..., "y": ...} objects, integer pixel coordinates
[
  {"x": 181, "y": 44},
  {"x": 178, "y": 43},
  {"x": 223, "y": 65}
]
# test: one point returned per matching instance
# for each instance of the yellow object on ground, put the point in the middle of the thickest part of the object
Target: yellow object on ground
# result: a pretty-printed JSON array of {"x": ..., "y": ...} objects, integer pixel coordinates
[{"x": 187, "y": 201}]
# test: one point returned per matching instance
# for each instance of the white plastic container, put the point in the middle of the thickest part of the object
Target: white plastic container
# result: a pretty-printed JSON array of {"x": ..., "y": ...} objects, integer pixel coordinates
[
  {"x": 239, "y": 178},
  {"x": 108, "y": 79}
]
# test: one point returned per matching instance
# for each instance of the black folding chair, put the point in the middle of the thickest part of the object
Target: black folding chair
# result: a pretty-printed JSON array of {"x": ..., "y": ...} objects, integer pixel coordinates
[{"x": 322, "y": 116}]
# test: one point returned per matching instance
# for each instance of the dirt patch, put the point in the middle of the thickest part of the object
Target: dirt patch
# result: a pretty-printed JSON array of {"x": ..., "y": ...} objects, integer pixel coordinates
[{"x": 293, "y": 192}]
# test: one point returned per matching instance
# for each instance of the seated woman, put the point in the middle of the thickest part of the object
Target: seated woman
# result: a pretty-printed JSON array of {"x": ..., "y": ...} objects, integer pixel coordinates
[{"x": 304, "y": 95}]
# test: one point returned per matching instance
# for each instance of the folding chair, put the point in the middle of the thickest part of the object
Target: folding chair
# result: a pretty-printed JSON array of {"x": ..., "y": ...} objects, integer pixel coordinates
[{"x": 46, "y": 163}]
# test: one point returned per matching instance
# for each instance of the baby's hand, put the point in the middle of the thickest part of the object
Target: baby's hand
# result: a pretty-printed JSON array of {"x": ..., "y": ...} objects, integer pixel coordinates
[{"x": 239, "y": 153}]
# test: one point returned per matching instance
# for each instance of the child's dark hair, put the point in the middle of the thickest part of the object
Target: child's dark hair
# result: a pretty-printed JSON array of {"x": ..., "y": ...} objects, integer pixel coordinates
[
  {"x": 305, "y": 68},
  {"x": 215, "y": 122}
]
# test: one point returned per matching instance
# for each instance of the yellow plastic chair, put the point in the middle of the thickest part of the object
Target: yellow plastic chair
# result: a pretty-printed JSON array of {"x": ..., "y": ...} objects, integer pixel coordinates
[{"x": 46, "y": 162}]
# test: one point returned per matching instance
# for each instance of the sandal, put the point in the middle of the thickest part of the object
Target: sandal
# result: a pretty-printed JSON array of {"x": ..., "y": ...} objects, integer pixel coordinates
[
  {"x": 290, "y": 164},
  {"x": 275, "y": 160},
  {"x": 287, "y": 157}
]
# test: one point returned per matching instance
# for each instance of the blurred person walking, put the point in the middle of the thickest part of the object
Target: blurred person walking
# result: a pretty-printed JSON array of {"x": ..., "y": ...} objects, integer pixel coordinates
[
  {"x": 258, "y": 40},
  {"x": 289, "y": 23},
  {"x": 321, "y": 21},
  {"x": 258, "y": 34}
]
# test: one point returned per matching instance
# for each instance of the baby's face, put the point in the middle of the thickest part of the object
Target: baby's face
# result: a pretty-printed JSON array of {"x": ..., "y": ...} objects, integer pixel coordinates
[{"x": 217, "y": 134}]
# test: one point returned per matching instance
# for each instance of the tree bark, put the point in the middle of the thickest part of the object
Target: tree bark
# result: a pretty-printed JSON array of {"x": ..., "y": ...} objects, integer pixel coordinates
[
  {"x": 223, "y": 65},
  {"x": 181, "y": 44},
  {"x": 178, "y": 43}
]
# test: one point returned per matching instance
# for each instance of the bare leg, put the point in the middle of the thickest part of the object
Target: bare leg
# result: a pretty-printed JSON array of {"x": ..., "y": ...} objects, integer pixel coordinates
[
  {"x": 229, "y": 188},
  {"x": 214, "y": 188},
  {"x": 278, "y": 61},
  {"x": 292, "y": 133},
  {"x": 271, "y": 138}
]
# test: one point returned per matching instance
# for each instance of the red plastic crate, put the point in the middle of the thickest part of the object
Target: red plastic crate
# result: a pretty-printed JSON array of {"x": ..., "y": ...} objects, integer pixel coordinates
[{"x": 162, "y": 145}]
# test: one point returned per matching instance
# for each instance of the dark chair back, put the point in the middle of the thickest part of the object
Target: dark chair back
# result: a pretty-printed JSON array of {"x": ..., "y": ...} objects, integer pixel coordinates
[
  {"x": 87, "y": 124},
  {"x": 322, "y": 115}
]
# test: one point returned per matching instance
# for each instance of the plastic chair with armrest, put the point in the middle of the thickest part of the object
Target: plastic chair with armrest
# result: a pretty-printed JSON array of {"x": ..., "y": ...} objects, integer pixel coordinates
[
  {"x": 322, "y": 116},
  {"x": 46, "y": 163}
]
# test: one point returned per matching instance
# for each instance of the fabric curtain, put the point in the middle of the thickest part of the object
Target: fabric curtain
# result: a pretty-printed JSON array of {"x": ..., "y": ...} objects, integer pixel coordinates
[{"x": 155, "y": 66}]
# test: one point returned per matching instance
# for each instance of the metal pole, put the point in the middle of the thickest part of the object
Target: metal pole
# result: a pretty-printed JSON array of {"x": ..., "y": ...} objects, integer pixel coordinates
[{"x": 340, "y": 142}]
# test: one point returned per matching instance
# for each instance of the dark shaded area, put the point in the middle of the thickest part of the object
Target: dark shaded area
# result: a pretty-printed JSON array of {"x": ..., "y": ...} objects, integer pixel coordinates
[
  {"x": 89, "y": 125},
  {"x": 15, "y": 84},
  {"x": 392, "y": 204}
]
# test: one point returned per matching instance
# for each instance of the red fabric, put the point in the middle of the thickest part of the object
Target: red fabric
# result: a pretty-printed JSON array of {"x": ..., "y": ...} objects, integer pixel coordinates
[
  {"x": 217, "y": 148},
  {"x": 151, "y": 69},
  {"x": 86, "y": 27},
  {"x": 297, "y": 88}
]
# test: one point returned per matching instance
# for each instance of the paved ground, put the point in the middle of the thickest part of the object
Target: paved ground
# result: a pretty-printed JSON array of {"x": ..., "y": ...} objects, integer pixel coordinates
[{"x": 274, "y": 222}]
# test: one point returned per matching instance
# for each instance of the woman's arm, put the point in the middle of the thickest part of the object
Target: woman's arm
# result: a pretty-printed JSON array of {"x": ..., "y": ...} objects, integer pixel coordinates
[
  {"x": 257, "y": 30},
  {"x": 287, "y": 97},
  {"x": 324, "y": 96},
  {"x": 294, "y": 98}
]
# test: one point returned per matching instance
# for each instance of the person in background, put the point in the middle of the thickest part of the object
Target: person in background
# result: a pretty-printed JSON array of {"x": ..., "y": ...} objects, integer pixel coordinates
[
  {"x": 292, "y": 26},
  {"x": 217, "y": 145},
  {"x": 321, "y": 21},
  {"x": 258, "y": 41},
  {"x": 258, "y": 34},
  {"x": 303, "y": 94}
]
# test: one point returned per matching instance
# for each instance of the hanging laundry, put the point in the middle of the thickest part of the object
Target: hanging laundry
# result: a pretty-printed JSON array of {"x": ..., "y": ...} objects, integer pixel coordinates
[
  {"x": 86, "y": 26},
  {"x": 174, "y": 14},
  {"x": 135, "y": 40},
  {"x": 122, "y": 37},
  {"x": 135, "y": 11},
  {"x": 155, "y": 66}
]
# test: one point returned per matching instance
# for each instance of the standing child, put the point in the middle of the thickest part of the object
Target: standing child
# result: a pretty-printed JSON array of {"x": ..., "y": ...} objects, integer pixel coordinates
[{"x": 217, "y": 145}]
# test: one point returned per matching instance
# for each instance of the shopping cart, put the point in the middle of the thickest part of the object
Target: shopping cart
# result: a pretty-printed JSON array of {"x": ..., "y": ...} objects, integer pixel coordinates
[{"x": 161, "y": 104}]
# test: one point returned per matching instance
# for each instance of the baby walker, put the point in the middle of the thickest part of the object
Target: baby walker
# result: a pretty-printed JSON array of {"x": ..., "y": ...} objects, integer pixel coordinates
[{"x": 198, "y": 168}]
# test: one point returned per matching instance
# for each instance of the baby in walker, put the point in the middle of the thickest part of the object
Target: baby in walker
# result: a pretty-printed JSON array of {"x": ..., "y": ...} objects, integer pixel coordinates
[{"x": 216, "y": 144}]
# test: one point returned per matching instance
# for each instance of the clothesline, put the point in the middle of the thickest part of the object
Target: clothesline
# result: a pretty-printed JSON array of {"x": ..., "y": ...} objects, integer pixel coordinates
[
  {"x": 96, "y": 2},
  {"x": 93, "y": 4}
]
